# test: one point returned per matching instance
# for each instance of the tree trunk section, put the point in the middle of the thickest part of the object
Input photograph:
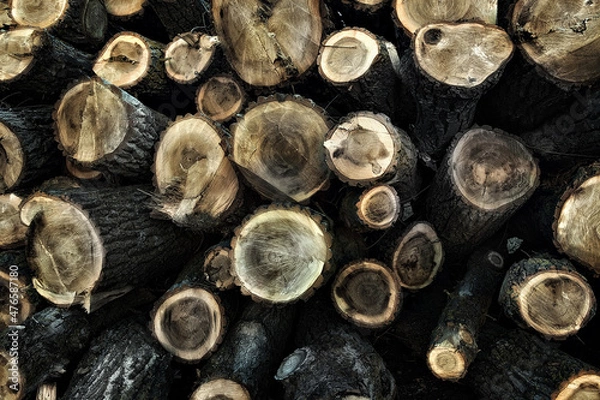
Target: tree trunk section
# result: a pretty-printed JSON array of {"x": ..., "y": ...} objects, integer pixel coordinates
[
  {"x": 190, "y": 55},
  {"x": 483, "y": 180},
  {"x": 221, "y": 97},
  {"x": 124, "y": 8},
  {"x": 113, "y": 245},
  {"x": 12, "y": 230},
  {"x": 454, "y": 341},
  {"x": 122, "y": 363},
  {"x": 18, "y": 298},
  {"x": 183, "y": 15},
  {"x": 548, "y": 295},
  {"x": 102, "y": 127},
  {"x": 376, "y": 208}
]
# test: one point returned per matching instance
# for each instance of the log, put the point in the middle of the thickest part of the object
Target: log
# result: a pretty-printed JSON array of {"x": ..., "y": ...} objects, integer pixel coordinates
[
  {"x": 333, "y": 362},
  {"x": 47, "y": 391},
  {"x": 483, "y": 180},
  {"x": 80, "y": 22},
  {"x": 375, "y": 208},
  {"x": 416, "y": 255},
  {"x": 548, "y": 295},
  {"x": 196, "y": 183},
  {"x": 189, "y": 319},
  {"x": 28, "y": 152},
  {"x": 244, "y": 365},
  {"x": 365, "y": 149},
  {"x": 6, "y": 20},
  {"x": 37, "y": 63},
  {"x": 81, "y": 172},
  {"x": 516, "y": 365},
  {"x": 12, "y": 230},
  {"x": 278, "y": 145},
  {"x": 189, "y": 55},
  {"x": 102, "y": 127},
  {"x": 40, "y": 351},
  {"x": 18, "y": 298},
  {"x": 363, "y": 68},
  {"x": 454, "y": 341},
  {"x": 134, "y": 62},
  {"x": 221, "y": 98},
  {"x": 452, "y": 66},
  {"x": 183, "y": 15},
  {"x": 281, "y": 43},
  {"x": 124, "y": 8},
  {"x": 367, "y": 293},
  {"x": 413, "y": 15},
  {"x": 281, "y": 254},
  {"x": 217, "y": 266},
  {"x": 90, "y": 245},
  {"x": 124, "y": 363}
]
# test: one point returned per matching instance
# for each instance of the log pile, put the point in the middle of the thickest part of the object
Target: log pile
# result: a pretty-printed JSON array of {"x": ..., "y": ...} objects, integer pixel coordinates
[{"x": 299, "y": 199}]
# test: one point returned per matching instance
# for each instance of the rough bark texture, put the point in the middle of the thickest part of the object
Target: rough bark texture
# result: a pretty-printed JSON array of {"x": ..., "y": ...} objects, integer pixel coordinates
[
  {"x": 252, "y": 349},
  {"x": 122, "y": 363},
  {"x": 183, "y": 15},
  {"x": 40, "y": 156}
]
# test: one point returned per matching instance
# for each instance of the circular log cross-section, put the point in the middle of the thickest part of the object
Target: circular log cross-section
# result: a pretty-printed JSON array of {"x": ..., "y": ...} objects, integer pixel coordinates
[
  {"x": 12, "y": 230},
  {"x": 417, "y": 256},
  {"x": 280, "y": 254},
  {"x": 584, "y": 386},
  {"x": 548, "y": 295},
  {"x": 577, "y": 219},
  {"x": 374, "y": 208},
  {"x": 463, "y": 55},
  {"x": 365, "y": 148},
  {"x": 217, "y": 267},
  {"x": 189, "y": 323},
  {"x": 367, "y": 294},
  {"x": 487, "y": 175},
  {"x": 221, "y": 97},
  {"x": 196, "y": 183},
  {"x": 221, "y": 389},
  {"x": 17, "y": 53},
  {"x": 563, "y": 39},
  {"x": 279, "y": 146},
  {"x": 414, "y": 14},
  {"x": 124, "y": 8},
  {"x": 189, "y": 55},
  {"x": 269, "y": 43}
]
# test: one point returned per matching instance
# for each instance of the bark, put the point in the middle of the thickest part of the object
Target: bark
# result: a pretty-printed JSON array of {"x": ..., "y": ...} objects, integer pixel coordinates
[
  {"x": 515, "y": 365},
  {"x": 183, "y": 16},
  {"x": 372, "y": 15},
  {"x": 454, "y": 341},
  {"x": 446, "y": 87},
  {"x": 122, "y": 363},
  {"x": 44, "y": 64},
  {"x": 28, "y": 153},
  {"x": 113, "y": 245},
  {"x": 47, "y": 344},
  {"x": 102, "y": 127},
  {"x": 333, "y": 362},
  {"x": 486, "y": 176},
  {"x": 250, "y": 353},
  {"x": 548, "y": 295}
]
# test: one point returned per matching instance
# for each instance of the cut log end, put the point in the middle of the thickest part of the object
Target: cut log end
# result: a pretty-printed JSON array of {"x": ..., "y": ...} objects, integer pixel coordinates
[
  {"x": 221, "y": 98},
  {"x": 217, "y": 268},
  {"x": 556, "y": 303},
  {"x": 367, "y": 293},
  {"x": 17, "y": 50},
  {"x": 221, "y": 389},
  {"x": 188, "y": 56},
  {"x": 6, "y": 20},
  {"x": 492, "y": 170},
  {"x": 189, "y": 323},
  {"x": 91, "y": 121},
  {"x": 124, "y": 8},
  {"x": 37, "y": 14},
  {"x": 418, "y": 256},
  {"x": 362, "y": 149},
  {"x": 282, "y": 41},
  {"x": 81, "y": 172},
  {"x": 347, "y": 55},
  {"x": 12, "y": 230},
  {"x": 279, "y": 146},
  {"x": 12, "y": 160},
  {"x": 125, "y": 60},
  {"x": 562, "y": 38},
  {"x": 279, "y": 254},
  {"x": 584, "y": 386},
  {"x": 574, "y": 230},
  {"x": 463, "y": 55},
  {"x": 66, "y": 252},
  {"x": 447, "y": 362},
  {"x": 379, "y": 207},
  {"x": 412, "y": 15},
  {"x": 47, "y": 391},
  {"x": 12, "y": 386},
  {"x": 196, "y": 182},
  {"x": 7, "y": 287}
]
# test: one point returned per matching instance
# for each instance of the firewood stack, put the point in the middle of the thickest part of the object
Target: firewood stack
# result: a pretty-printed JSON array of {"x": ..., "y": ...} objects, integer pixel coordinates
[{"x": 299, "y": 199}]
